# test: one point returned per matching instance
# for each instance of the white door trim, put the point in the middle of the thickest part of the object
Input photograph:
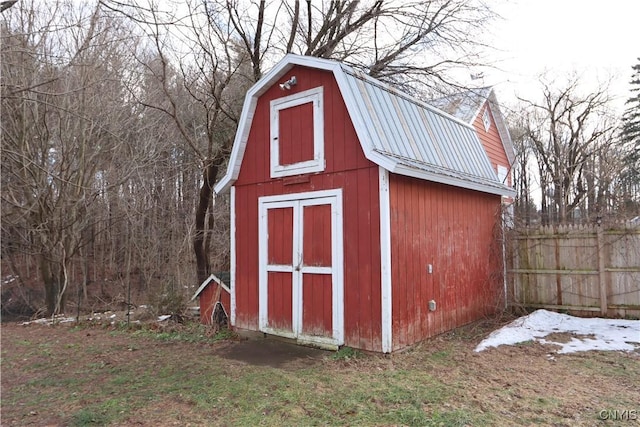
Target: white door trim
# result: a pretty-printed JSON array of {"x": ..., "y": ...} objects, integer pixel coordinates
[{"x": 298, "y": 201}]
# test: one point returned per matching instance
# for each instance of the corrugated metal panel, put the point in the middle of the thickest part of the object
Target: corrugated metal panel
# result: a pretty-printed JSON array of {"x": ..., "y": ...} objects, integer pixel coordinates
[
  {"x": 417, "y": 135},
  {"x": 464, "y": 105}
]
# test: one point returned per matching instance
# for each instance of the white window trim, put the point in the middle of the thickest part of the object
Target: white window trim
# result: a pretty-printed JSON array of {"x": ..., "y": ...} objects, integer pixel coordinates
[
  {"x": 317, "y": 164},
  {"x": 486, "y": 119}
]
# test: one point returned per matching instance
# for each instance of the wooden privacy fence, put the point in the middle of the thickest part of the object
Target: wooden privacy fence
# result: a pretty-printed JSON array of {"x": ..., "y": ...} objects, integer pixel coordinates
[{"x": 580, "y": 268}]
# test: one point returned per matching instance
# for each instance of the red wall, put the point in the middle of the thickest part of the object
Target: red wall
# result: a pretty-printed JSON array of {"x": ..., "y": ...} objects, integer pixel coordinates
[
  {"x": 452, "y": 229},
  {"x": 207, "y": 302},
  {"x": 346, "y": 168},
  {"x": 491, "y": 142}
]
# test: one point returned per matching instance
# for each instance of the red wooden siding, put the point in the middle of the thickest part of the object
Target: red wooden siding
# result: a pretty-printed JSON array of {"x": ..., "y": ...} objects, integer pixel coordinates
[
  {"x": 316, "y": 288},
  {"x": 317, "y": 235},
  {"x": 453, "y": 230},
  {"x": 207, "y": 303},
  {"x": 346, "y": 168},
  {"x": 295, "y": 134},
  {"x": 491, "y": 141},
  {"x": 316, "y": 304},
  {"x": 279, "y": 296},
  {"x": 280, "y": 243},
  {"x": 280, "y": 250}
]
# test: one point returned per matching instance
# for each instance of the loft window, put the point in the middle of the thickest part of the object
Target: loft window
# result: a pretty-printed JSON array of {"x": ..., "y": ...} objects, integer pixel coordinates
[
  {"x": 297, "y": 133},
  {"x": 486, "y": 119}
]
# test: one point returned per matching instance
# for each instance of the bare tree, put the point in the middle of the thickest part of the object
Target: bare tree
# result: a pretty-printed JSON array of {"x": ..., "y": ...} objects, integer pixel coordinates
[
  {"x": 203, "y": 98},
  {"x": 524, "y": 205},
  {"x": 571, "y": 136},
  {"x": 412, "y": 44},
  {"x": 65, "y": 123},
  {"x": 208, "y": 53}
]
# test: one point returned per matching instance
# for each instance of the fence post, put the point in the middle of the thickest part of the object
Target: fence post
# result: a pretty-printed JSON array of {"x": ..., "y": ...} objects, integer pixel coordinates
[
  {"x": 558, "y": 266},
  {"x": 601, "y": 271}
]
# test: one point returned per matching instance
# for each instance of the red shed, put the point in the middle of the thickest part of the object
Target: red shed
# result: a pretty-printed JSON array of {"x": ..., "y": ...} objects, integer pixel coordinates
[{"x": 360, "y": 216}]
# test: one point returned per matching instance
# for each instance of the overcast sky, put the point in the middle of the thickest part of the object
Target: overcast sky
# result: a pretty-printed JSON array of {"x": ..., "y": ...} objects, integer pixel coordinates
[{"x": 596, "y": 39}]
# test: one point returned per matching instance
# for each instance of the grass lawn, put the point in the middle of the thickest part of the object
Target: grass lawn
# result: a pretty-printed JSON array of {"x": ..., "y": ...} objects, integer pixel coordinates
[{"x": 95, "y": 375}]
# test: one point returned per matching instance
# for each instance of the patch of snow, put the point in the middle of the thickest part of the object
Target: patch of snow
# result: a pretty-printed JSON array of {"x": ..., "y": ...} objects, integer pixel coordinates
[
  {"x": 163, "y": 317},
  {"x": 591, "y": 333},
  {"x": 9, "y": 279},
  {"x": 60, "y": 318}
]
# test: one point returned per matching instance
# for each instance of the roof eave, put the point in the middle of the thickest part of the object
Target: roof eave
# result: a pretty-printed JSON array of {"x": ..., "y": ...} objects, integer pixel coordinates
[
  {"x": 474, "y": 116},
  {"x": 249, "y": 106},
  {"x": 501, "y": 125},
  {"x": 390, "y": 164},
  {"x": 498, "y": 189}
]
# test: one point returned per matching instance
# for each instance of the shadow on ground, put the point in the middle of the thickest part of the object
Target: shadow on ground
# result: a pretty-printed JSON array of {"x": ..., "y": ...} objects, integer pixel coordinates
[{"x": 273, "y": 353}]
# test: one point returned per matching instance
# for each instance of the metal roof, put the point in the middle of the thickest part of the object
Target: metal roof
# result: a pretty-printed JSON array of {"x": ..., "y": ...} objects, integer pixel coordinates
[
  {"x": 396, "y": 131},
  {"x": 416, "y": 134},
  {"x": 467, "y": 105},
  {"x": 463, "y": 105}
]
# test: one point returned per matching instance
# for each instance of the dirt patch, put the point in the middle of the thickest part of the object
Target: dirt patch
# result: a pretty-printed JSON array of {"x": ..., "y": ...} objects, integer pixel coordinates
[
  {"x": 273, "y": 353},
  {"x": 559, "y": 337}
]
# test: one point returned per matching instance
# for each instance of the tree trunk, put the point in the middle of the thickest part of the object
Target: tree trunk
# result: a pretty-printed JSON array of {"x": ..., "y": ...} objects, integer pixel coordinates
[
  {"x": 49, "y": 285},
  {"x": 52, "y": 288},
  {"x": 203, "y": 267}
]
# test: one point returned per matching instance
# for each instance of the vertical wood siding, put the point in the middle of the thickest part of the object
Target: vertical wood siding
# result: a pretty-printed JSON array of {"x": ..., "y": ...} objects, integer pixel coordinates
[
  {"x": 317, "y": 310},
  {"x": 346, "y": 168},
  {"x": 207, "y": 302},
  {"x": 280, "y": 229},
  {"x": 453, "y": 230},
  {"x": 317, "y": 307},
  {"x": 296, "y": 134},
  {"x": 491, "y": 142},
  {"x": 317, "y": 235},
  {"x": 280, "y": 298}
]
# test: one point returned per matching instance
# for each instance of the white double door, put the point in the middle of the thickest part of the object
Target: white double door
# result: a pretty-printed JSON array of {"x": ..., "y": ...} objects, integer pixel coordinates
[{"x": 301, "y": 266}]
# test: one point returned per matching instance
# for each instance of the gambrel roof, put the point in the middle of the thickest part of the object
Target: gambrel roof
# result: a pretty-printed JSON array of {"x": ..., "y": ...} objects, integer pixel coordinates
[{"x": 396, "y": 131}]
